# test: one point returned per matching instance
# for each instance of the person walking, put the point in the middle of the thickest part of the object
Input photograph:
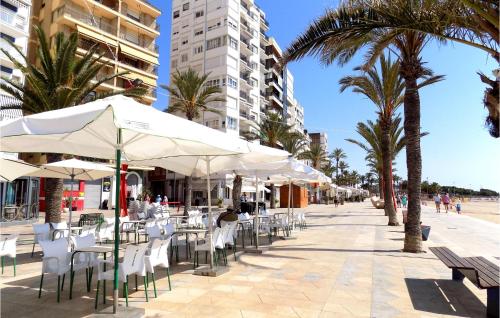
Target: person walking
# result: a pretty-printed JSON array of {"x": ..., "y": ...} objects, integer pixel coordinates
[
  {"x": 446, "y": 202},
  {"x": 404, "y": 200},
  {"x": 437, "y": 201},
  {"x": 398, "y": 200},
  {"x": 459, "y": 206}
]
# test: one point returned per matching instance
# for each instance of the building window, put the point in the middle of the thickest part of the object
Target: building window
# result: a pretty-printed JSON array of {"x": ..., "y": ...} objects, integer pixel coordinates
[
  {"x": 198, "y": 14},
  {"x": 184, "y": 41},
  {"x": 185, "y": 6},
  {"x": 184, "y": 58},
  {"x": 6, "y": 69},
  {"x": 175, "y": 31},
  {"x": 212, "y": 123},
  {"x": 214, "y": 43},
  {"x": 198, "y": 32},
  {"x": 173, "y": 64},
  {"x": 7, "y": 37},
  {"x": 233, "y": 43},
  {"x": 176, "y": 14},
  {"x": 232, "y": 23},
  {"x": 175, "y": 47},
  {"x": 198, "y": 50},
  {"x": 9, "y": 6},
  {"x": 231, "y": 122},
  {"x": 232, "y": 82},
  {"x": 214, "y": 24},
  {"x": 213, "y": 83}
]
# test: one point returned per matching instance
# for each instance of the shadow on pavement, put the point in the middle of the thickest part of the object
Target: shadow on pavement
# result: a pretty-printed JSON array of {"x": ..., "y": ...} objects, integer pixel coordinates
[{"x": 444, "y": 297}]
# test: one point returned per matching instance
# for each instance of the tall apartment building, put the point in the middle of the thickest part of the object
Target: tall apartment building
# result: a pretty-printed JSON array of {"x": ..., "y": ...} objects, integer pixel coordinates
[
  {"x": 14, "y": 27},
  {"x": 125, "y": 30},
  {"x": 320, "y": 138},
  {"x": 222, "y": 37}
]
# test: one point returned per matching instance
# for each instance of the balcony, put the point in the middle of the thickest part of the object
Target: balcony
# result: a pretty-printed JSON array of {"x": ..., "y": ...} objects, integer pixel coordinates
[
  {"x": 12, "y": 51},
  {"x": 145, "y": 20},
  {"x": 86, "y": 18},
  {"x": 87, "y": 44},
  {"x": 139, "y": 41},
  {"x": 13, "y": 19}
]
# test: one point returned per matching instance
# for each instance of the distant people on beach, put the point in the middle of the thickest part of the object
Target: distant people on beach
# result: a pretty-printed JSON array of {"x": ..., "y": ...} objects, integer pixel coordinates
[
  {"x": 398, "y": 200},
  {"x": 336, "y": 200},
  {"x": 437, "y": 201},
  {"x": 404, "y": 200},
  {"x": 459, "y": 206},
  {"x": 446, "y": 202}
]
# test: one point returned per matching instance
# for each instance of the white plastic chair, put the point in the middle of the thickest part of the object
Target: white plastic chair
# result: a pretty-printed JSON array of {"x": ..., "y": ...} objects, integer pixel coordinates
[
  {"x": 217, "y": 243},
  {"x": 158, "y": 256},
  {"x": 265, "y": 227},
  {"x": 230, "y": 236},
  {"x": 105, "y": 232},
  {"x": 126, "y": 227},
  {"x": 8, "y": 248},
  {"x": 89, "y": 230},
  {"x": 133, "y": 263},
  {"x": 41, "y": 233},
  {"x": 59, "y": 230},
  {"x": 280, "y": 223},
  {"x": 147, "y": 229},
  {"x": 57, "y": 260},
  {"x": 83, "y": 259}
]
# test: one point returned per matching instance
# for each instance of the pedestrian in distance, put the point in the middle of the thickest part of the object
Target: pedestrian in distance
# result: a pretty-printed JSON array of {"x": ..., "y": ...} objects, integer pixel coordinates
[
  {"x": 437, "y": 201},
  {"x": 404, "y": 200},
  {"x": 398, "y": 200},
  {"x": 446, "y": 202},
  {"x": 459, "y": 206}
]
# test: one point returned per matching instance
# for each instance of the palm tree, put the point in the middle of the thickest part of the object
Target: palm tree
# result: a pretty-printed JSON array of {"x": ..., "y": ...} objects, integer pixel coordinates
[
  {"x": 271, "y": 132},
  {"x": 62, "y": 80},
  {"x": 354, "y": 178},
  {"x": 381, "y": 24},
  {"x": 191, "y": 96},
  {"x": 384, "y": 87},
  {"x": 316, "y": 154},
  {"x": 294, "y": 143},
  {"x": 343, "y": 166},
  {"x": 372, "y": 135},
  {"x": 337, "y": 155}
]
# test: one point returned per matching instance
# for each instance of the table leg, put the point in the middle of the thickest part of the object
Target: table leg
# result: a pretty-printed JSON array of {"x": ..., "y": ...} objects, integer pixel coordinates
[{"x": 71, "y": 277}]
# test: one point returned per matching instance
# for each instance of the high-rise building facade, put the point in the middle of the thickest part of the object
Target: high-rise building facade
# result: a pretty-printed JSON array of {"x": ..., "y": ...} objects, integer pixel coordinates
[
  {"x": 125, "y": 30},
  {"x": 222, "y": 38},
  {"x": 14, "y": 28},
  {"x": 320, "y": 138}
]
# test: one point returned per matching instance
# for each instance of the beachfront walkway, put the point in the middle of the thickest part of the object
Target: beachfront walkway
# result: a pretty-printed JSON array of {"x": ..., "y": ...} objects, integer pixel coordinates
[{"x": 346, "y": 264}]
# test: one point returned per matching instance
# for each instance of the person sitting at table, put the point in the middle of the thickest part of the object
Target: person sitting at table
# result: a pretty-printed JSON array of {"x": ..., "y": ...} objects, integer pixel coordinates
[
  {"x": 228, "y": 216},
  {"x": 133, "y": 210}
]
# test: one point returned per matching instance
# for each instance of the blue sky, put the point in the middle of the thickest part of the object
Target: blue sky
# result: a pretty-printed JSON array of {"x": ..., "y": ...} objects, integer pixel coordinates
[{"x": 458, "y": 150}]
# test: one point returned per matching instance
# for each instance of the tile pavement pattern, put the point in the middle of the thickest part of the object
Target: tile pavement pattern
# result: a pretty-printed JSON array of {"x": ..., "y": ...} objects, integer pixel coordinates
[{"x": 347, "y": 263}]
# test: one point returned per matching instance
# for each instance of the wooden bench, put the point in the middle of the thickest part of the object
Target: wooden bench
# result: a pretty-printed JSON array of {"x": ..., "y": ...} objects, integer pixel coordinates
[{"x": 480, "y": 271}]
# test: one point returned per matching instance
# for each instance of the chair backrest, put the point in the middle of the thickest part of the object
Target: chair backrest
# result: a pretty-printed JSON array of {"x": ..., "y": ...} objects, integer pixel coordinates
[
  {"x": 57, "y": 248},
  {"x": 83, "y": 241},
  {"x": 89, "y": 229},
  {"x": 153, "y": 231},
  {"x": 110, "y": 220},
  {"x": 217, "y": 237},
  {"x": 243, "y": 216},
  {"x": 41, "y": 231},
  {"x": 133, "y": 260},
  {"x": 8, "y": 245},
  {"x": 220, "y": 240},
  {"x": 169, "y": 229},
  {"x": 233, "y": 230},
  {"x": 159, "y": 252},
  {"x": 59, "y": 226}
]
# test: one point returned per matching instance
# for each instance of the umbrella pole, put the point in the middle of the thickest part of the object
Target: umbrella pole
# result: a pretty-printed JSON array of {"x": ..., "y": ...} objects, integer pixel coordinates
[
  {"x": 210, "y": 217},
  {"x": 257, "y": 211},
  {"x": 71, "y": 203},
  {"x": 289, "y": 199},
  {"x": 117, "y": 219}
]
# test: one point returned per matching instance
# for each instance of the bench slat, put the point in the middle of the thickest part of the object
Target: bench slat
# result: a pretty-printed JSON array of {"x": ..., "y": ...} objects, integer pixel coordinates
[
  {"x": 450, "y": 259},
  {"x": 488, "y": 272}
]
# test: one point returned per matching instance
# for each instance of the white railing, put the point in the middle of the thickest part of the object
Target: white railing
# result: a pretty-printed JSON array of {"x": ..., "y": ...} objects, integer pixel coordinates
[{"x": 7, "y": 47}]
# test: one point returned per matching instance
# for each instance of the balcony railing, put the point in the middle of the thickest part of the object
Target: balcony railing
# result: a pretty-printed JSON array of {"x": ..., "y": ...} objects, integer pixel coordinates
[
  {"x": 86, "y": 18},
  {"x": 134, "y": 38},
  {"x": 12, "y": 19},
  {"x": 7, "y": 47}
]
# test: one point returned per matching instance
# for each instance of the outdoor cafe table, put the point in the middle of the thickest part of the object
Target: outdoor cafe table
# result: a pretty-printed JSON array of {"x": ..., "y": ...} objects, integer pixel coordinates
[
  {"x": 188, "y": 231},
  {"x": 91, "y": 249}
]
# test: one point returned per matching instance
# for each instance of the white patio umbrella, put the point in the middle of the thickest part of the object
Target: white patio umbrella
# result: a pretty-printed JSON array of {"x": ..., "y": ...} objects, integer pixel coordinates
[
  {"x": 110, "y": 127},
  {"x": 11, "y": 169},
  {"x": 206, "y": 165},
  {"x": 73, "y": 169}
]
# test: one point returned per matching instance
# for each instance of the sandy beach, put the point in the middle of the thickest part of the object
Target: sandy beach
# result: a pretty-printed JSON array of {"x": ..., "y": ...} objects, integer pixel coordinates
[{"x": 481, "y": 209}]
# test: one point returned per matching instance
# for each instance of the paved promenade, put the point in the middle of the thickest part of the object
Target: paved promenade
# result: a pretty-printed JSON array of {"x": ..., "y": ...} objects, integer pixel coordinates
[{"x": 347, "y": 263}]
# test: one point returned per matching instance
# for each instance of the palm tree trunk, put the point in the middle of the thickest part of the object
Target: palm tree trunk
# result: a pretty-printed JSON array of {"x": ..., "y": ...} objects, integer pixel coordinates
[
  {"x": 53, "y": 193},
  {"x": 237, "y": 183},
  {"x": 188, "y": 191},
  {"x": 387, "y": 172},
  {"x": 413, "y": 233},
  {"x": 272, "y": 204},
  {"x": 381, "y": 185}
]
